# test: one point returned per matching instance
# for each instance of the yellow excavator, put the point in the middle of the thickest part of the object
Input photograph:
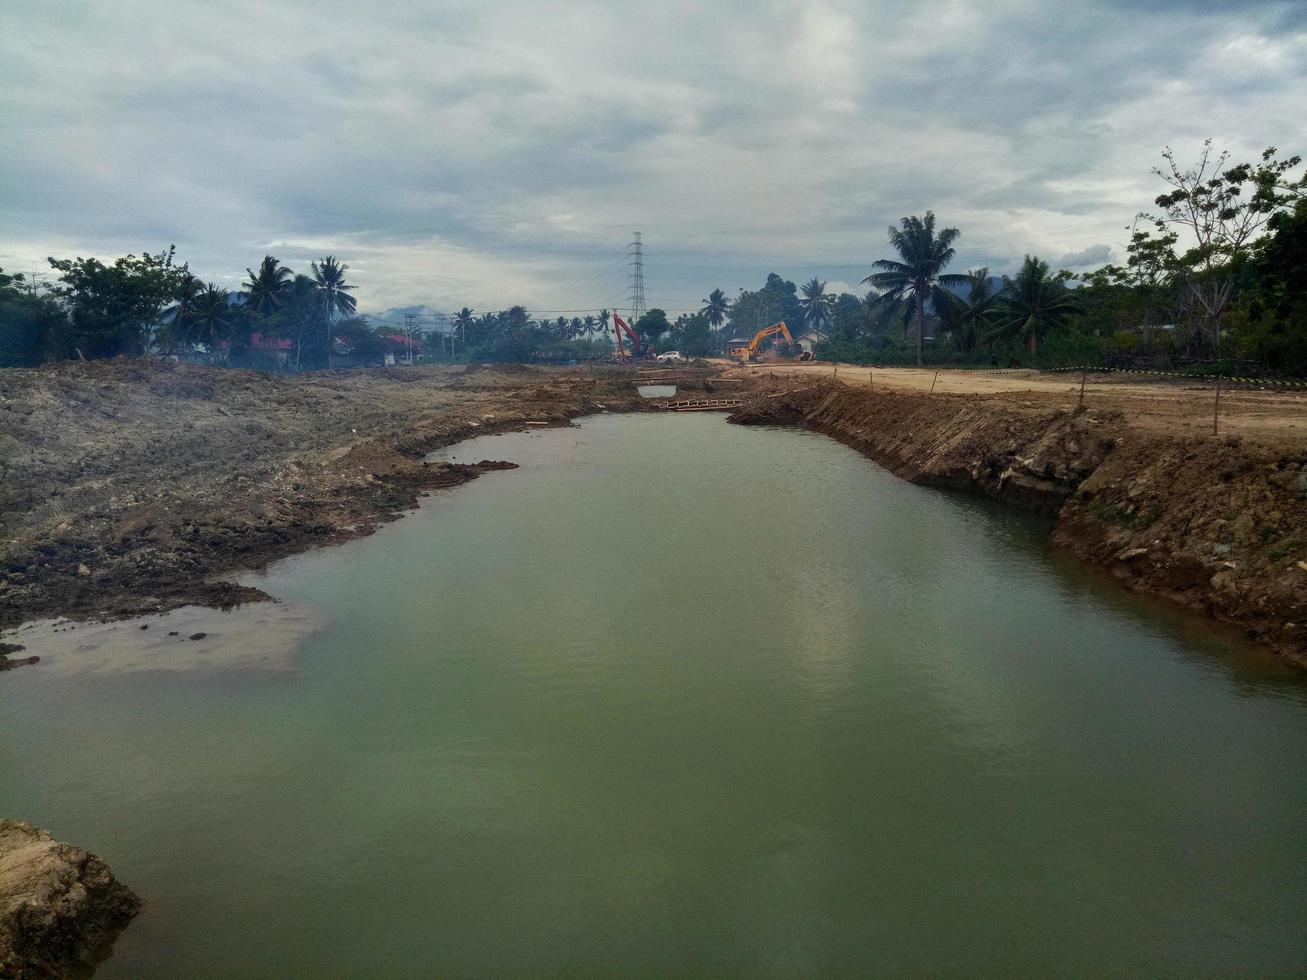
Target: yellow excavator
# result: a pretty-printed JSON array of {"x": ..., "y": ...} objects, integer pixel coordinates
[{"x": 744, "y": 353}]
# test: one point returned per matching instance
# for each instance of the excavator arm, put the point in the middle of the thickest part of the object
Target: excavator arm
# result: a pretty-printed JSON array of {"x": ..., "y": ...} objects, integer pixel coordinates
[
  {"x": 620, "y": 327},
  {"x": 747, "y": 353}
]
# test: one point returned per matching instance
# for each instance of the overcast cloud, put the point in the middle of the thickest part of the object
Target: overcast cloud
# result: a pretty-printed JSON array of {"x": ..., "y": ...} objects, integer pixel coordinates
[{"x": 494, "y": 153}]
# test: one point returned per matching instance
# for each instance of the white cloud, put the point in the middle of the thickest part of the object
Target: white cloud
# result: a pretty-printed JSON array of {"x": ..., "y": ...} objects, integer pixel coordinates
[{"x": 500, "y": 152}]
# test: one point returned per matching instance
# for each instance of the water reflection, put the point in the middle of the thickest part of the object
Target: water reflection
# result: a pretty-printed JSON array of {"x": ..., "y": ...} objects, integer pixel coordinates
[{"x": 678, "y": 697}]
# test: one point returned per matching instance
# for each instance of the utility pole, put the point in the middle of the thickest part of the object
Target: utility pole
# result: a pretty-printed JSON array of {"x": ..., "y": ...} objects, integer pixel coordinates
[
  {"x": 637, "y": 279},
  {"x": 410, "y": 328}
]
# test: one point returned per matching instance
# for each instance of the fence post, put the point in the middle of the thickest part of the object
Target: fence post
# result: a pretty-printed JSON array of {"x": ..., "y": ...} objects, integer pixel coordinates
[
  {"x": 871, "y": 381},
  {"x": 1216, "y": 412},
  {"x": 1081, "y": 403}
]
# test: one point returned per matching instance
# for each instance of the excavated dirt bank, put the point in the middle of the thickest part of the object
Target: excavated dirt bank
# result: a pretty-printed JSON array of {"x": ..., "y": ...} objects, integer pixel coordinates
[
  {"x": 1217, "y": 524},
  {"x": 126, "y": 486}
]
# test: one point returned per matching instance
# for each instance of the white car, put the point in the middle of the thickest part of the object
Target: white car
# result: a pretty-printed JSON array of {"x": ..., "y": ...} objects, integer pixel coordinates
[{"x": 671, "y": 355}]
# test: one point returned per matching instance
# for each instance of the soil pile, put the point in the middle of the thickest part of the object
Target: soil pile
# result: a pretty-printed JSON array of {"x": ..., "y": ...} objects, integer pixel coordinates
[
  {"x": 125, "y": 485},
  {"x": 60, "y": 908},
  {"x": 1217, "y": 524}
]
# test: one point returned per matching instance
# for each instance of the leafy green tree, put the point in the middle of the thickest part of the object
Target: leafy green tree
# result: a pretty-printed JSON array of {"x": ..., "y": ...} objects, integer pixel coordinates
[
  {"x": 652, "y": 325},
  {"x": 817, "y": 306},
  {"x": 915, "y": 278},
  {"x": 329, "y": 275},
  {"x": 783, "y": 299},
  {"x": 1220, "y": 210},
  {"x": 115, "y": 309},
  {"x": 1034, "y": 303},
  {"x": 265, "y": 289},
  {"x": 849, "y": 320},
  {"x": 751, "y": 311},
  {"x": 1273, "y": 315},
  {"x": 361, "y": 338},
  {"x": 692, "y": 336},
  {"x": 33, "y": 327}
]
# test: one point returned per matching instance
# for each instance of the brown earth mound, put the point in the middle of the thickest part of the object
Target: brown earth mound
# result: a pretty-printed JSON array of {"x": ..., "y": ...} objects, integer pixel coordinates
[{"x": 126, "y": 485}]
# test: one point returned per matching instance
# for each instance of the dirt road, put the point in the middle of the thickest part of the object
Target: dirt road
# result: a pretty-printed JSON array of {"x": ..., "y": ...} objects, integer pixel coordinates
[{"x": 1179, "y": 407}]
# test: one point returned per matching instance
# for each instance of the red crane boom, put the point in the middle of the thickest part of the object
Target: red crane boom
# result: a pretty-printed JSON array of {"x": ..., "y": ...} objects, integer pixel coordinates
[{"x": 620, "y": 327}]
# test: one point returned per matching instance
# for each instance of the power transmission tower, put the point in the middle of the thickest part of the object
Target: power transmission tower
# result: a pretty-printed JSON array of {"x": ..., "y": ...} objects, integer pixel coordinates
[
  {"x": 410, "y": 329},
  {"x": 637, "y": 279}
]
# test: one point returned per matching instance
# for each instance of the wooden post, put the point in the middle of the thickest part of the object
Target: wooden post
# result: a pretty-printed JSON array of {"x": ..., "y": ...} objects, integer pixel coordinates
[
  {"x": 836, "y": 372},
  {"x": 932, "y": 382},
  {"x": 1081, "y": 403},
  {"x": 1216, "y": 412},
  {"x": 871, "y": 381}
]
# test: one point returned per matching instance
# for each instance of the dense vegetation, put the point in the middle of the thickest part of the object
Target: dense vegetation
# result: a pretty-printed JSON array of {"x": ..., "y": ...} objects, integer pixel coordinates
[
  {"x": 1217, "y": 277},
  {"x": 152, "y": 304},
  {"x": 1214, "y": 278}
]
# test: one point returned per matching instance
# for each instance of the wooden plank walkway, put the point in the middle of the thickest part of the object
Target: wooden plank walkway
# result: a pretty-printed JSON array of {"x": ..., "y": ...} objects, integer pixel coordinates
[{"x": 703, "y": 404}]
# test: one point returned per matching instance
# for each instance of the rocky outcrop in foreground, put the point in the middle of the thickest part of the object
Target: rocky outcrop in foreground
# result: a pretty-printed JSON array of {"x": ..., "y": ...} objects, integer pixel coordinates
[{"x": 60, "y": 908}]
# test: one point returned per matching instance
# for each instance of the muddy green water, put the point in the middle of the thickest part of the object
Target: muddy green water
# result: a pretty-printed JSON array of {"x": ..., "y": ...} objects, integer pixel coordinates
[{"x": 678, "y": 697}]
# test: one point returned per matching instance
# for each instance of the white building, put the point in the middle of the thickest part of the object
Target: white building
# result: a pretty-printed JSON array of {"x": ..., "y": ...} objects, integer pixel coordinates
[{"x": 810, "y": 339}]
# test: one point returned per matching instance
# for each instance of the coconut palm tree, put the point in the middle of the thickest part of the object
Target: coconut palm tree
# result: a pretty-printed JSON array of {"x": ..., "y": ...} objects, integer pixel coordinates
[
  {"x": 1033, "y": 303},
  {"x": 589, "y": 323},
  {"x": 188, "y": 292},
  {"x": 266, "y": 288},
  {"x": 211, "y": 316},
  {"x": 330, "y": 277},
  {"x": 715, "y": 308},
  {"x": 917, "y": 276},
  {"x": 815, "y": 304},
  {"x": 463, "y": 319},
  {"x": 974, "y": 314}
]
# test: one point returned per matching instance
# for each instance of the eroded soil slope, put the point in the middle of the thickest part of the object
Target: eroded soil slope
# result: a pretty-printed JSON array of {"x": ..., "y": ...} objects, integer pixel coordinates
[
  {"x": 127, "y": 487},
  {"x": 1218, "y": 524},
  {"x": 124, "y": 486}
]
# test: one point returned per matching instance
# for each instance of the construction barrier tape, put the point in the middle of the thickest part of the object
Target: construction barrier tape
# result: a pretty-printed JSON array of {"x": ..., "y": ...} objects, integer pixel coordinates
[{"x": 1232, "y": 379}]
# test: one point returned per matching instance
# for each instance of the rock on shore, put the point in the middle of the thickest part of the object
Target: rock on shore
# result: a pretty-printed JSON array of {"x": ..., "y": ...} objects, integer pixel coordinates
[{"x": 59, "y": 905}]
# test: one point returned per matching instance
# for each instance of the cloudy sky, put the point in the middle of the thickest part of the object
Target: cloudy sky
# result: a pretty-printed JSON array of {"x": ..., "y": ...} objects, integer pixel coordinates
[{"x": 491, "y": 153}]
